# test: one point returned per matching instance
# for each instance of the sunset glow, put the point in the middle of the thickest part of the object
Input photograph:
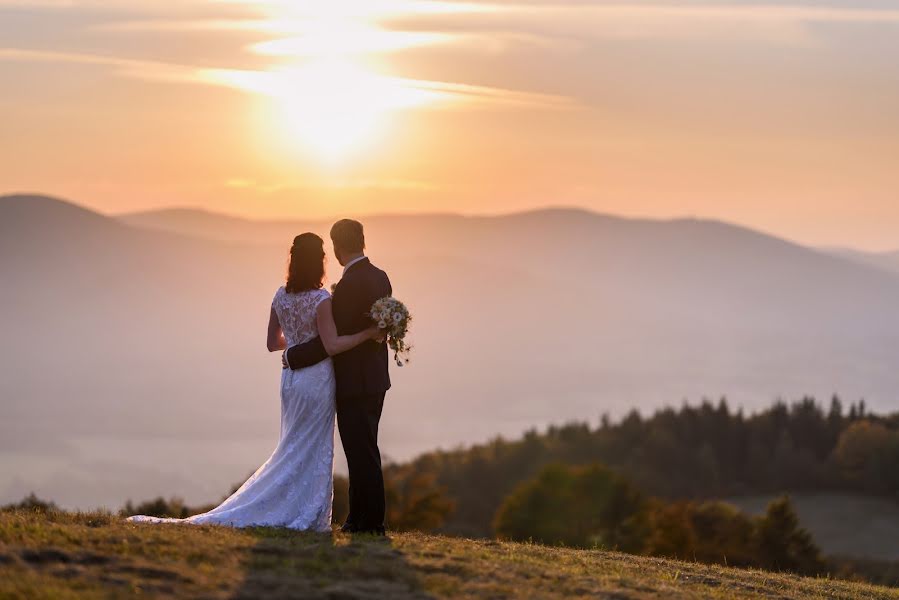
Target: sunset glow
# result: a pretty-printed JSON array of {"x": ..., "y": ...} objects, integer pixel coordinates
[
  {"x": 779, "y": 116},
  {"x": 329, "y": 105},
  {"x": 327, "y": 98}
]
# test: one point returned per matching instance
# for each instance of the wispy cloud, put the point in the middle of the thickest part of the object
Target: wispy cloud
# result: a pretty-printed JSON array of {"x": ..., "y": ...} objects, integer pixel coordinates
[
  {"x": 188, "y": 8},
  {"x": 393, "y": 92},
  {"x": 139, "y": 69},
  {"x": 334, "y": 185},
  {"x": 296, "y": 29},
  {"x": 273, "y": 82},
  {"x": 302, "y": 39},
  {"x": 343, "y": 32},
  {"x": 786, "y": 22},
  {"x": 38, "y": 3},
  {"x": 712, "y": 14}
]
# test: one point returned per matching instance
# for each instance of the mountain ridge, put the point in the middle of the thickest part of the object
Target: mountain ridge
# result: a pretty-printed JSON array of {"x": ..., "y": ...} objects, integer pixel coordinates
[
  {"x": 162, "y": 214},
  {"x": 160, "y": 218}
]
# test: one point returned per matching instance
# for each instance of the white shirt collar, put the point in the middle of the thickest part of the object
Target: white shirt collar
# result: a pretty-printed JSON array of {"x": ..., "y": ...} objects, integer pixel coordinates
[{"x": 352, "y": 262}]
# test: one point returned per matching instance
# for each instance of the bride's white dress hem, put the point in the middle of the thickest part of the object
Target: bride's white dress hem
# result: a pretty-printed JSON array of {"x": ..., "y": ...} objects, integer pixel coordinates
[{"x": 295, "y": 486}]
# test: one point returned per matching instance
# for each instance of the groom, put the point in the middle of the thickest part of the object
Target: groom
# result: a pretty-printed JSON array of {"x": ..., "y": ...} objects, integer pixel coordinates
[{"x": 361, "y": 373}]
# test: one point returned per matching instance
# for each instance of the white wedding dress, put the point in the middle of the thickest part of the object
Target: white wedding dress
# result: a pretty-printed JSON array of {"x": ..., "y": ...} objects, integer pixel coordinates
[{"x": 294, "y": 488}]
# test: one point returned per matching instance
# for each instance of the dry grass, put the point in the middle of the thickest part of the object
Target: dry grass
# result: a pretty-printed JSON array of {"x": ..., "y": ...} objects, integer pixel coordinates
[{"x": 98, "y": 556}]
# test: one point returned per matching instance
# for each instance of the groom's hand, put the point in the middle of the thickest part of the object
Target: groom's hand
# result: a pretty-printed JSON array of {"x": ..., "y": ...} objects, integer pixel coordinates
[{"x": 284, "y": 364}]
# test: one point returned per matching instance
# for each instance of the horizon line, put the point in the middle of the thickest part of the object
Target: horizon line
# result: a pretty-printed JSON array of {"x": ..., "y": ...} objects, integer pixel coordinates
[
  {"x": 549, "y": 208},
  {"x": 560, "y": 208}
]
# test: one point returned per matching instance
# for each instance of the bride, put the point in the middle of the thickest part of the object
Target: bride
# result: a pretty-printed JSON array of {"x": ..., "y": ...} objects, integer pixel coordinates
[{"x": 294, "y": 488}]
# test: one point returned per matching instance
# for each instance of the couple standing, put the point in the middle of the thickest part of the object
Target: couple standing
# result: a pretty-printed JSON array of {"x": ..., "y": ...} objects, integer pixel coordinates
[{"x": 335, "y": 361}]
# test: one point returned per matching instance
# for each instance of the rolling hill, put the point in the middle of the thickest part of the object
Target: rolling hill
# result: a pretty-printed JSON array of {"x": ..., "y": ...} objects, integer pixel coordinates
[{"x": 132, "y": 359}]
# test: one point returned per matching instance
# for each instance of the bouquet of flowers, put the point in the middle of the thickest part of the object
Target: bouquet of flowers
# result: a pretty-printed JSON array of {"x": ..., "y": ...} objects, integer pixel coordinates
[{"x": 393, "y": 317}]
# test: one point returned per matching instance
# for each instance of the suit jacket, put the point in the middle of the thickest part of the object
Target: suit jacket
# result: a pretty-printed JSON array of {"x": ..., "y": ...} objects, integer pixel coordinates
[{"x": 364, "y": 369}]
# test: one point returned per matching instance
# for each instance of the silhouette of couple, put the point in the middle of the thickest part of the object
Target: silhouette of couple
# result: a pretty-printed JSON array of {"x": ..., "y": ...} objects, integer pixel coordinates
[{"x": 335, "y": 363}]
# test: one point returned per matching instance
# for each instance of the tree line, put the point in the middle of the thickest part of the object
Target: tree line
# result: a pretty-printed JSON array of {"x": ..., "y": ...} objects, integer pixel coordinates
[
  {"x": 594, "y": 507},
  {"x": 699, "y": 452}
]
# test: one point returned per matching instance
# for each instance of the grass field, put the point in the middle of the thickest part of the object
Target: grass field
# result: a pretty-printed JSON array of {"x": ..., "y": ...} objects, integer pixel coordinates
[{"x": 64, "y": 555}]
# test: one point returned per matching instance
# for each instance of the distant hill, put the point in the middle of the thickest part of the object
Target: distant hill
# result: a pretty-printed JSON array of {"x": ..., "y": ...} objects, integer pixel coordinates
[
  {"x": 101, "y": 556},
  {"x": 132, "y": 359},
  {"x": 888, "y": 261}
]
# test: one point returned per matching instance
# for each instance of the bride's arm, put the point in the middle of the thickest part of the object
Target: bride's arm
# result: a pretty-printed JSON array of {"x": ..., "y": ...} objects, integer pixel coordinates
[
  {"x": 327, "y": 330},
  {"x": 276, "y": 339}
]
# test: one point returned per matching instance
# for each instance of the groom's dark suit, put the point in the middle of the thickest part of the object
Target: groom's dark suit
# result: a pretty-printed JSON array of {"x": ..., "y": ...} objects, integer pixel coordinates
[{"x": 362, "y": 382}]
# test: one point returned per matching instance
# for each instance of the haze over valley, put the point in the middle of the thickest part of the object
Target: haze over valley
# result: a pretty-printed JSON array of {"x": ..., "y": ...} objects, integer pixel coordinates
[{"x": 132, "y": 360}]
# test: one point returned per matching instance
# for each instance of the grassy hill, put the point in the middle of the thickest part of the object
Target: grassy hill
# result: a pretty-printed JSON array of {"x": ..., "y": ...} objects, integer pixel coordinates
[{"x": 98, "y": 556}]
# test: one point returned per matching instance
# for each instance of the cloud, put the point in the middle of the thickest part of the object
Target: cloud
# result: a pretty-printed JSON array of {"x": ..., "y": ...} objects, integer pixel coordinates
[
  {"x": 37, "y": 3},
  {"x": 401, "y": 92},
  {"x": 489, "y": 95},
  {"x": 785, "y": 22},
  {"x": 392, "y": 92},
  {"x": 119, "y": 6},
  {"x": 139, "y": 69},
  {"x": 296, "y": 32},
  {"x": 297, "y": 39},
  {"x": 337, "y": 185},
  {"x": 712, "y": 13},
  {"x": 387, "y": 26}
]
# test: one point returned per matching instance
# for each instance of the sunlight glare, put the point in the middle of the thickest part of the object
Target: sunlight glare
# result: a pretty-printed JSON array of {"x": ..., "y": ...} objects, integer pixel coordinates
[
  {"x": 336, "y": 106},
  {"x": 327, "y": 98},
  {"x": 331, "y": 106}
]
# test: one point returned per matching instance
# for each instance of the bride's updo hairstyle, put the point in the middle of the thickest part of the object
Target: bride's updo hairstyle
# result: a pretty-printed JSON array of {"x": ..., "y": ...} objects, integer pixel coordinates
[{"x": 306, "y": 269}]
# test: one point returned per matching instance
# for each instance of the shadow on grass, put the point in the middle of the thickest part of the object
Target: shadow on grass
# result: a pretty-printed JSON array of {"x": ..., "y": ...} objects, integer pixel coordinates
[{"x": 287, "y": 564}]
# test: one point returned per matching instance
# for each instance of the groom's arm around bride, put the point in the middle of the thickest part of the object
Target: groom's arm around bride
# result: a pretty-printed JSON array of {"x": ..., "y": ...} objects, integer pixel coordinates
[
  {"x": 361, "y": 285},
  {"x": 305, "y": 355}
]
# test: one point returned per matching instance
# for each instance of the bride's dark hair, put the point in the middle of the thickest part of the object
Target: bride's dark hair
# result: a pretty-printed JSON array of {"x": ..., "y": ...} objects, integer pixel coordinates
[{"x": 306, "y": 269}]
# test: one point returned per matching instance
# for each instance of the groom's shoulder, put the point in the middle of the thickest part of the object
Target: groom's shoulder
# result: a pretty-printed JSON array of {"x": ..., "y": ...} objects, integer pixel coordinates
[
  {"x": 364, "y": 275},
  {"x": 369, "y": 280},
  {"x": 365, "y": 270},
  {"x": 380, "y": 274},
  {"x": 378, "y": 270}
]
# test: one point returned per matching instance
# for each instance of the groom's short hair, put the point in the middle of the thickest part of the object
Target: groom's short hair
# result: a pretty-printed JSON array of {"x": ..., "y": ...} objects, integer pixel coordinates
[{"x": 348, "y": 235}]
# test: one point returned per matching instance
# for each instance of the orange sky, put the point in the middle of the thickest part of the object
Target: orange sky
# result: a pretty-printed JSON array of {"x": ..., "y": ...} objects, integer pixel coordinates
[{"x": 782, "y": 116}]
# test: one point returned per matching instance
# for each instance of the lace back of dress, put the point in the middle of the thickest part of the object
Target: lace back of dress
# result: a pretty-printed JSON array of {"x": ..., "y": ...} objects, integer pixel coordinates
[{"x": 297, "y": 314}]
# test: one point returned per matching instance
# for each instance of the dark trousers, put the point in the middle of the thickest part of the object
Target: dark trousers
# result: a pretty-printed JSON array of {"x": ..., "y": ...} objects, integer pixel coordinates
[{"x": 357, "y": 419}]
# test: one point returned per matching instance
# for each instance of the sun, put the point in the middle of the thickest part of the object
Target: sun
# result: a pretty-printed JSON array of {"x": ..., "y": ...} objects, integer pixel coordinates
[
  {"x": 325, "y": 97},
  {"x": 331, "y": 107},
  {"x": 321, "y": 109},
  {"x": 335, "y": 107}
]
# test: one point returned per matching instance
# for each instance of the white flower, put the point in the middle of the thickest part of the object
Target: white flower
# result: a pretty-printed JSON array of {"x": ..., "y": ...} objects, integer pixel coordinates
[{"x": 393, "y": 318}]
